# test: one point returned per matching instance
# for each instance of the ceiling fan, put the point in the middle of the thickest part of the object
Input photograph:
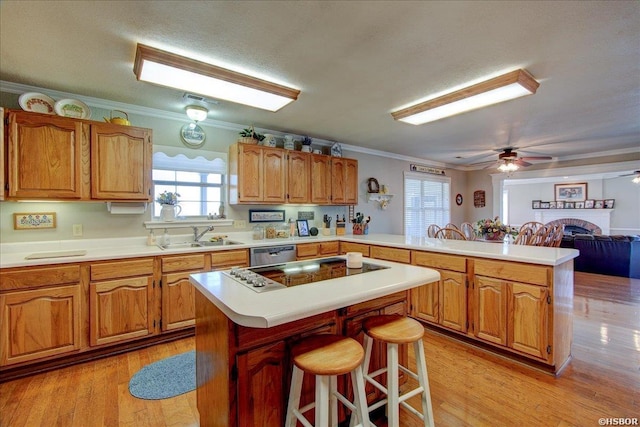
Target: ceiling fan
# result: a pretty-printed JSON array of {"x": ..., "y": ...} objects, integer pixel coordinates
[{"x": 508, "y": 160}]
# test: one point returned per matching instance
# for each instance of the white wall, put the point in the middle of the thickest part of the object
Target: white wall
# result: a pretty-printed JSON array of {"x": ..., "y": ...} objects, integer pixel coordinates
[{"x": 625, "y": 218}]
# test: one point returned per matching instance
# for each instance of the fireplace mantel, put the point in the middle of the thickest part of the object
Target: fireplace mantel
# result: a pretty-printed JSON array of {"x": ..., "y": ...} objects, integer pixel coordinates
[{"x": 600, "y": 217}]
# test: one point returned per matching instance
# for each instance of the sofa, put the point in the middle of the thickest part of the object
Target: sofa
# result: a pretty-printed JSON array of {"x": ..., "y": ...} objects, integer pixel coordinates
[{"x": 610, "y": 255}]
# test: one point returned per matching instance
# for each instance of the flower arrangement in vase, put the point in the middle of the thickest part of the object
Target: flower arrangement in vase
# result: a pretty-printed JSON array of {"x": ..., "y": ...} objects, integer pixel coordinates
[
  {"x": 493, "y": 229},
  {"x": 306, "y": 144},
  {"x": 169, "y": 203},
  {"x": 168, "y": 198}
]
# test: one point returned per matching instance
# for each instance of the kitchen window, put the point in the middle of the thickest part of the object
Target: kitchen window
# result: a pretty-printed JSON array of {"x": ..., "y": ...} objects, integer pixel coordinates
[
  {"x": 426, "y": 201},
  {"x": 200, "y": 181}
]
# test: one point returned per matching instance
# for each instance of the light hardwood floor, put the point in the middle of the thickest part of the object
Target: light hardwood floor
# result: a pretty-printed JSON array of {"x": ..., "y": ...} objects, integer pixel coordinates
[{"x": 469, "y": 387}]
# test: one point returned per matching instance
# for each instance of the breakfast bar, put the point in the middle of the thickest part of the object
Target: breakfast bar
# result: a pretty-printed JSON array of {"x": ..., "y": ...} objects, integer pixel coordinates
[{"x": 243, "y": 334}]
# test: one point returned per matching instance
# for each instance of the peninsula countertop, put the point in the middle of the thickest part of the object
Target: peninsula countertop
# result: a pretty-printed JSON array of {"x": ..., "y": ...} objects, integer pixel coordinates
[
  {"x": 13, "y": 254},
  {"x": 246, "y": 307}
]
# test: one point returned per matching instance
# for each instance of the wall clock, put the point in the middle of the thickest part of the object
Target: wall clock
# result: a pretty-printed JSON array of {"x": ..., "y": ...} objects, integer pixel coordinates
[
  {"x": 458, "y": 199},
  {"x": 192, "y": 135}
]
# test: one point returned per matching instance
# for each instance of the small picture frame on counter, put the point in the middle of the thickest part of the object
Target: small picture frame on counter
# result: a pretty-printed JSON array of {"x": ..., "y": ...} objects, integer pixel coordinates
[{"x": 303, "y": 228}]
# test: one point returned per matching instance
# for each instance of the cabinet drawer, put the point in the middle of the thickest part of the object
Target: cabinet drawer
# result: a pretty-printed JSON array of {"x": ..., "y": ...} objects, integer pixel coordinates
[
  {"x": 307, "y": 250},
  {"x": 526, "y": 273},
  {"x": 354, "y": 247},
  {"x": 182, "y": 262},
  {"x": 329, "y": 248},
  {"x": 376, "y": 303},
  {"x": 35, "y": 277},
  {"x": 444, "y": 262},
  {"x": 391, "y": 254},
  {"x": 116, "y": 269},
  {"x": 230, "y": 259}
]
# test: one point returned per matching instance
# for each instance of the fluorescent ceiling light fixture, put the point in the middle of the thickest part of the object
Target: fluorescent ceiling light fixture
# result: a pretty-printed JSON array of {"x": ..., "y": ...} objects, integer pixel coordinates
[
  {"x": 499, "y": 89},
  {"x": 168, "y": 69},
  {"x": 197, "y": 113}
]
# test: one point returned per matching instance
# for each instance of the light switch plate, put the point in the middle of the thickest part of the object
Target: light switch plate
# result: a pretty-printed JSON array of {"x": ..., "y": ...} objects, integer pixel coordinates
[
  {"x": 77, "y": 230},
  {"x": 239, "y": 223}
]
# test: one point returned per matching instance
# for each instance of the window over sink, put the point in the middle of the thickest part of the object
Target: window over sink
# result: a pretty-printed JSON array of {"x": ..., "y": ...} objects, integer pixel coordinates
[{"x": 200, "y": 180}]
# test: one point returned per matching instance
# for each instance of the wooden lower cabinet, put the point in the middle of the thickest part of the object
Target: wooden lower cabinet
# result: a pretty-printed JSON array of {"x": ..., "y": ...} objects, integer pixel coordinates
[
  {"x": 121, "y": 301},
  {"x": 39, "y": 323},
  {"x": 491, "y": 310},
  {"x": 178, "y": 294},
  {"x": 390, "y": 254},
  {"x": 527, "y": 324},
  {"x": 315, "y": 250},
  {"x": 354, "y": 247}
]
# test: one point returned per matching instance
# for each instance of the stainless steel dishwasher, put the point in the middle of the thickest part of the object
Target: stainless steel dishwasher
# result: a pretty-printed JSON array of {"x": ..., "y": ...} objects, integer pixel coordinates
[{"x": 272, "y": 255}]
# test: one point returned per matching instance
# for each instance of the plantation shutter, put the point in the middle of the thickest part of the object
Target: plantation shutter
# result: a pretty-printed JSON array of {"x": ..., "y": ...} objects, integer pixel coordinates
[{"x": 426, "y": 201}]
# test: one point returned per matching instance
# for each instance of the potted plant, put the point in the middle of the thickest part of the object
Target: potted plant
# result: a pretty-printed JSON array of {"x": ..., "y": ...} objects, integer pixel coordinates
[
  {"x": 493, "y": 229},
  {"x": 250, "y": 136},
  {"x": 306, "y": 144}
]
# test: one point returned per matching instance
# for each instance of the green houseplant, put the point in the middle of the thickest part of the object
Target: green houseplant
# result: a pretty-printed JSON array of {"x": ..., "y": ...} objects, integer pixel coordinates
[{"x": 250, "y": 136}]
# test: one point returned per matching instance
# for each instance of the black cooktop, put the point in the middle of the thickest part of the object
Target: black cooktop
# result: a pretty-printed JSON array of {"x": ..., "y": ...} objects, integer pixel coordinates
[{"x": 304, "y": 272}]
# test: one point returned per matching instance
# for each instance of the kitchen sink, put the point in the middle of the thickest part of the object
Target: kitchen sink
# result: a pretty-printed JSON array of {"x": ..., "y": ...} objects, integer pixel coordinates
[{"x": 202, "y": 244}]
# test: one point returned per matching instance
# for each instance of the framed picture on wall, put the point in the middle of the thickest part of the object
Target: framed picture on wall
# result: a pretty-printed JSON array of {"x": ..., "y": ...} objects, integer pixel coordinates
[{"x": 571, "y": 192}]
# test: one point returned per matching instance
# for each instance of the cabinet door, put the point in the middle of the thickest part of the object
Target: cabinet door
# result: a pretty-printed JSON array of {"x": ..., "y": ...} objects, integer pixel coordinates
[
  {"x": 528, "y": 314},
  {"x": 351, "y": 182},
  {"x": 320, "y": 179},
  {"x": 329, "y": 248},
  {"x": 425, "y": 302},
  {"x": 178, "y": 301},
  {"x": 298, "y": 177},
  {"x": 261, "y": 386},
  {"x": 46, "y": 155},
  {"x": 453, "y": 309},
  {"x": 120, "y": 310},
  {"x": 491, "y": 310},
  {"x": 274, "y": 175},
  {"x": 120, "y": 162},
  {"x": 338, "y": 175},
  {"x": 250, "y": 172},
  {"x": 39, "y": 323}
]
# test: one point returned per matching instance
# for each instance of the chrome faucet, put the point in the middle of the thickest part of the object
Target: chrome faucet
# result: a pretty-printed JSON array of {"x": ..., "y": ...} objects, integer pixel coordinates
[{"x": 197, "y": 236}]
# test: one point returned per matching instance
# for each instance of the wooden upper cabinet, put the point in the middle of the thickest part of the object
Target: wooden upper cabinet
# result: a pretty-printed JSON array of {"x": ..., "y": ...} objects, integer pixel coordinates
[
  {"x": 60, "y": 158},
  {"x": 120, "y": 162},
  {"x": 344, "y": 186},
  {"x": 256, "y": 174},
  {"x": 321, "y": 179},
  {"x": 268, "y": 175},
  {"x": 298, "y": 178},
  {"x": 47, "y": 156}
]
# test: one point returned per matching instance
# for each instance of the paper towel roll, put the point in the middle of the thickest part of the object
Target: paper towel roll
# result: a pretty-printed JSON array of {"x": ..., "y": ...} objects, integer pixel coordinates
[{"x": 354, "y": 260}]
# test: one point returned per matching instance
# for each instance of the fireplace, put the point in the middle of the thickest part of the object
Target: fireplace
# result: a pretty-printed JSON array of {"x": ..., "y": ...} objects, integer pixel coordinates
[
  {"x": 577, "y": 226},
  {"x": 596, "y": 221}
]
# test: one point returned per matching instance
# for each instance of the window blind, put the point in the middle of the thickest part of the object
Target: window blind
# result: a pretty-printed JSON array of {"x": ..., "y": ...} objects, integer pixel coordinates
[{"x": 426, "y": 201}]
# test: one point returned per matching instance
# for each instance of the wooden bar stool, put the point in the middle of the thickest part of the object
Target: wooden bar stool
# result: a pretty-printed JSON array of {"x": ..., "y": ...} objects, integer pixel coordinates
[
  {"x": 327, "y": 356},
  {"x": 394, "y": 330}
]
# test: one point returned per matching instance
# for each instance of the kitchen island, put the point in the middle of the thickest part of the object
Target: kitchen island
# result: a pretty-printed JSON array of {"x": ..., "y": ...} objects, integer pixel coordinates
[{"x": 243, "y": 336}]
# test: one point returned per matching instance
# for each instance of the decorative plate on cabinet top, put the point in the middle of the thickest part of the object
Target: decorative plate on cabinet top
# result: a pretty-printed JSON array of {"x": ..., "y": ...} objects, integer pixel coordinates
[
  {"x": 36, "y": 103},
  {"x": 72, "y": 108},
  {"x": 336, "y": 150}
]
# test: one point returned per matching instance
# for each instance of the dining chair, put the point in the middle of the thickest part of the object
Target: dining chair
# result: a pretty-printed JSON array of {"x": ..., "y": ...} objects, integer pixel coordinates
[
  {"x": 535, "y": 225},
  {"x": 554, "y": 238},
  {"x": 432, "y": 230},
  {"x": 450, "y": 234},
  {"x": 525, "y": 234},
  {"x": 468, "y": 230},
  {"x": 539, "y": 236},
  {"x": 451, "y": 225}
]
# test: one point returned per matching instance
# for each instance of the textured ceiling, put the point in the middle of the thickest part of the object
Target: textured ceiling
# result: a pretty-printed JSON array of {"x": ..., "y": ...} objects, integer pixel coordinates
[{"x": 355, "y": 62}]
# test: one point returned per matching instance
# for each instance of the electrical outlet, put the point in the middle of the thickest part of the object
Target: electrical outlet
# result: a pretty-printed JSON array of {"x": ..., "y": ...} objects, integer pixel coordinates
[
  {"x": 239, "y": 223},
  {"x": 77, "y": 230}
]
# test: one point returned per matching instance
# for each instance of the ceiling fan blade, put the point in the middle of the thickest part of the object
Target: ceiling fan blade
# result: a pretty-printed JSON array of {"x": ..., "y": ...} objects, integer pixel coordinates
[
  {"x": 522, "y": 163},
  {"x": 631, "y": 174},
  {"x": 536, "y": 158}
]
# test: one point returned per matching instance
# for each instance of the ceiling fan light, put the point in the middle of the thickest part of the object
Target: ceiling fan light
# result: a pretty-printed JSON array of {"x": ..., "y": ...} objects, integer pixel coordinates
[
  {"x": 499, "y": 89},
  {"x": 171, "y": 70},
  {"x": 636, "y": 180},
  {"x": 508, "y": 167},
  {"x": 197, "y": 113}
]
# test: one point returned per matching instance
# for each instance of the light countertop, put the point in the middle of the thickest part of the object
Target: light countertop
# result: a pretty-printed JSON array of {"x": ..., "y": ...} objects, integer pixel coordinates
[
  {"x": 13, "y": 254},
  {"x": 267, "y": 309}
]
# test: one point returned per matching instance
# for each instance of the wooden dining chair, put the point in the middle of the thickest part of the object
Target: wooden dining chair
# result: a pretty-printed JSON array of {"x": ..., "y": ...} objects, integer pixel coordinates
[
  {"x": 468, "y": 230},
  {"x": 535, "y": 225},
  {"x": 554, "y": 237},
  {"x": 450, "y": 234},
  {"x": 539, "y": 236},
  {"x": 451, "y": 225},
  {"x": 525, "y": 234},
  {"x": 432, "y": 230}
]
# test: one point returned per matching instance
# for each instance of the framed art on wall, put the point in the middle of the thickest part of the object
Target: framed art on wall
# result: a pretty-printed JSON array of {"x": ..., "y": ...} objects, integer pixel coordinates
[{"x": 571, "y": 192}]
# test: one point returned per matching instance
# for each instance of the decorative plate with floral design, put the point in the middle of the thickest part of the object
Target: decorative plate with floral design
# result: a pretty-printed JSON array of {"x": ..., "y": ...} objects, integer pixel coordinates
[{"x": 36, "y": 103}]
